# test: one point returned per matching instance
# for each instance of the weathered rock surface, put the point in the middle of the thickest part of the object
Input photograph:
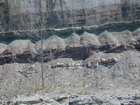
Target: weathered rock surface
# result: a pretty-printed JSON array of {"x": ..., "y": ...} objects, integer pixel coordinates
[
  {"x": 112, "y": 83},
  {"x": 80, "y": 68},
  {"x": 73, "y": 40},
  {"x": 76, "y": 99},
  {"x": 75, "y": 46},
  {"x": 19, "y": 15}
]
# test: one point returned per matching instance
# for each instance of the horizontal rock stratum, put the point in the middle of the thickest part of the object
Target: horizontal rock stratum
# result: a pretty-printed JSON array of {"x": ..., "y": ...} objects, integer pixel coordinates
[
  {"x": 75, "y": 46},
  {"x": 24, "y": 14},
  {"x": 70, "y": 52},
  {"x": 80, "y": 66}
]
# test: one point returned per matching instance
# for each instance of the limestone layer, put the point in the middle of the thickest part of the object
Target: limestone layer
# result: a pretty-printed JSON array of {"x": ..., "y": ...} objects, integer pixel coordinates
[{"x": 24, "y": 14}]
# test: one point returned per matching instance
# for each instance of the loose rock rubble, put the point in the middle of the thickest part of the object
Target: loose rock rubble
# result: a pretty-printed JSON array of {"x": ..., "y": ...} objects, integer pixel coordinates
[{"x": 101, "y": 70}]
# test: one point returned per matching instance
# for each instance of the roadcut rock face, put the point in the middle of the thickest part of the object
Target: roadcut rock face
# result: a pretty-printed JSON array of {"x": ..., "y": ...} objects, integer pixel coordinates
[
  {"x": 21, "y": 15},
  {"x": 80, "y": 67},
  {"x": 74, "y": 45},
  {"x": 89, "y": 52}
]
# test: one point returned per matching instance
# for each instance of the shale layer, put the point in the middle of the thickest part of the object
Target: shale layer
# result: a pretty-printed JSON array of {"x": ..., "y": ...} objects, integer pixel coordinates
[{"x": 79, "y": 46}]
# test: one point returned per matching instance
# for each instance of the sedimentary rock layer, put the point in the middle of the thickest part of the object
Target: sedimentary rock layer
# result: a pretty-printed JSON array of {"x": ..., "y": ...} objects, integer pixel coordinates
[
  {"x": 23, "y": 14},
  {"x": 75, "y": 45}
]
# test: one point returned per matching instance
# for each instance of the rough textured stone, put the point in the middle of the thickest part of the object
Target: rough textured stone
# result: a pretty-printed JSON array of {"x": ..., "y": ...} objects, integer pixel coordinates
[
  {"x": 19, "y": 15},
  {"x": 20, "y": 46},
  {"x": 73, "y": 40},
  {"x": 81, "y": 65},
  {"x": 88, "y": 39},
  {"x": 79, "y": 46}
]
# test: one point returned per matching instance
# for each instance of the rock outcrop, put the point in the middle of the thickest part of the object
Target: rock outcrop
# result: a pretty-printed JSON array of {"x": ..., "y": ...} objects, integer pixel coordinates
[
  {"x": 83, "y": 65},
  {"x": 75, "y": 46},
  {"x": 21, "y": 15}
]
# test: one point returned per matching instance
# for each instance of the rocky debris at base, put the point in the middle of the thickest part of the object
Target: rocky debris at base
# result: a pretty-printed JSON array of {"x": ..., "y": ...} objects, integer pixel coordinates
[
  {"x": 112, "y": 83},
  {"x": 80, "y": 69},
  {"x": 98, "y": 98}
]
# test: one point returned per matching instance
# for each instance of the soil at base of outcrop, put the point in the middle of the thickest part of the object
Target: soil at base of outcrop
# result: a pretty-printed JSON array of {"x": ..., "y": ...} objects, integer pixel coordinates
[{"x": 113, "y": 83}]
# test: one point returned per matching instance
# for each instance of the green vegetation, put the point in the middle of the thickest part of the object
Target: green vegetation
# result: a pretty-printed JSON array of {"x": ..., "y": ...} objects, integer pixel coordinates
[{"x": 79, "y": 84}]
